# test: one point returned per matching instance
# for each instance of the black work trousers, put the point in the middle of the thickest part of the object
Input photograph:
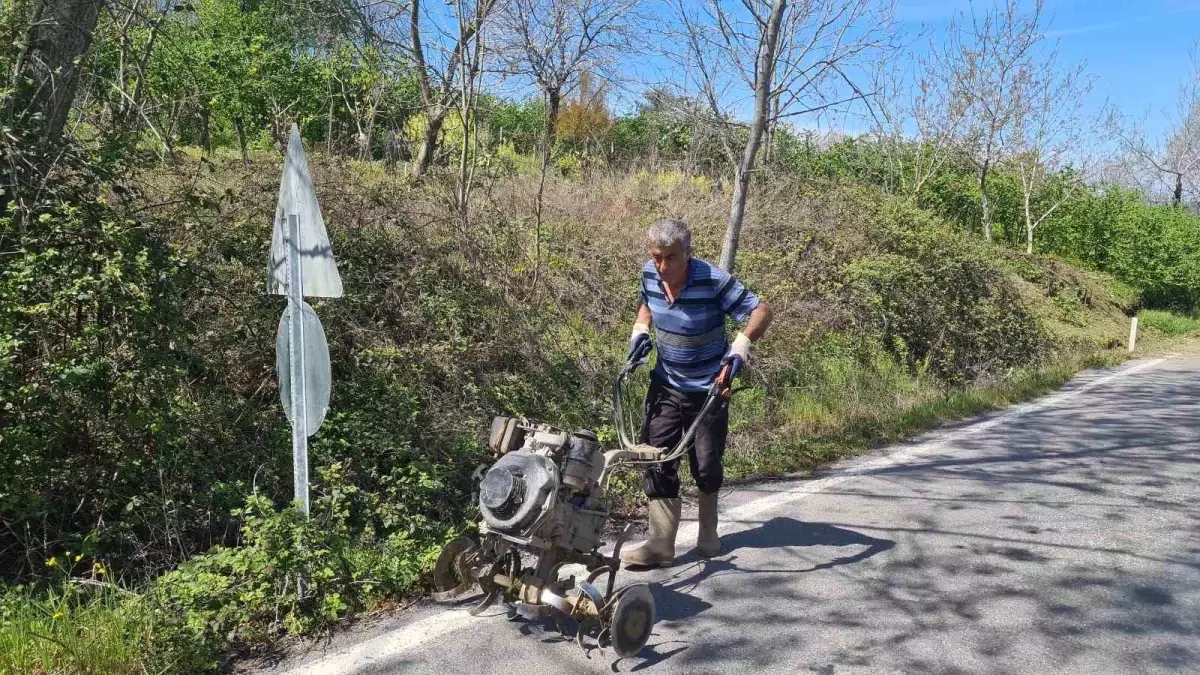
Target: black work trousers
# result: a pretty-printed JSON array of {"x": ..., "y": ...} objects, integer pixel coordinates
[{"x": 667, "y": 414}]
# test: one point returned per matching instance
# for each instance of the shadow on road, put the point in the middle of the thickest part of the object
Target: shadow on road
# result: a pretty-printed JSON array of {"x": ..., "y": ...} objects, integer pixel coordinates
[
  {"x": 784, "y": 534},
  {"x": 781, "y": 532}
]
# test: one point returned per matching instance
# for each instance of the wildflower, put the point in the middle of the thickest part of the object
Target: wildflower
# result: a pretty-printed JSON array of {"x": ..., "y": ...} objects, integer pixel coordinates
[
  {"x": 98, "y": 568},
  {"x": 79, "y": 557},
  {"x": 52, "y": 562}
]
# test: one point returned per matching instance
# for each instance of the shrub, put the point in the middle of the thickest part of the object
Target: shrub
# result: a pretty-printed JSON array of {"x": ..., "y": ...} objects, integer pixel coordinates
[
  {"x": 291, "y": 575},
  {"x": 939, "y": 301}
]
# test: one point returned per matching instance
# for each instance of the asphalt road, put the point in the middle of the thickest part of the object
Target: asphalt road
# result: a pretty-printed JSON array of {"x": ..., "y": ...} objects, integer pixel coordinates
[{"x": 1060, "y": 536}]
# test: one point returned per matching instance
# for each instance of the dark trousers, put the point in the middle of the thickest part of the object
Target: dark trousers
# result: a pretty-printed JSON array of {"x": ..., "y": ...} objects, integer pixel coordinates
[{"x": 667, "y": 414}]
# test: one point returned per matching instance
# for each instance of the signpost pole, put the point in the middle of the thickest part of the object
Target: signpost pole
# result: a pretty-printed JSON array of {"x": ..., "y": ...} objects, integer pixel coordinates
[{"x": 298, "y": 376}]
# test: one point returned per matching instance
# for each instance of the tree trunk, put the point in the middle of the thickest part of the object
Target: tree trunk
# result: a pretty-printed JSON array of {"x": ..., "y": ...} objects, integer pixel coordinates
[
  {"x": 206, "y": 130},
  {"x": 553, "y": 99},
  {"x": 429, "y": 145},
  {"x": 1028, "y": 226},
  {"x": 764, "y": 77},
  {"x": 737, "y": 213},
  {"x": 365, "y": 152},
  {"x": 329, "y": 126},
  {"x": 986, "y": 216},
  {"x": 550, "y": 132},
  {"x": 1177, "y": 197},
  {"x": 241, "y": 134},
  {"x": 771, "y": 128},
  {"x": 61, "y": 40}
]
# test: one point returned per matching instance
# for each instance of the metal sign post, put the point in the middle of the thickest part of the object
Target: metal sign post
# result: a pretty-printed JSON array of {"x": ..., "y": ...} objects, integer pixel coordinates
[
  {"x": 301, "y": 265},
  {"x": 295, "y": 350}
]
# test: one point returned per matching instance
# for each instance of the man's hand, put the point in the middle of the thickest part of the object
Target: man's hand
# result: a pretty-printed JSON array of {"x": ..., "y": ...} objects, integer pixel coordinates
[
  {"x": 739, "y": 351},
  {"x": 639, "y": 344},
  {"x": 735, "y": 358}
]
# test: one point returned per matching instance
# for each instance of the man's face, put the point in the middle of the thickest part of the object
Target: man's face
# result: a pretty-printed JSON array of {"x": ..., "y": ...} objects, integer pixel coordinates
[{"x": 671, "y": 263}]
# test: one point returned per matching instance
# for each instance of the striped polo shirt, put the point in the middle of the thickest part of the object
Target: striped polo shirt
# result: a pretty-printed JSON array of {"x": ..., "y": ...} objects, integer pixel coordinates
[{"x": 690, "y": 332}]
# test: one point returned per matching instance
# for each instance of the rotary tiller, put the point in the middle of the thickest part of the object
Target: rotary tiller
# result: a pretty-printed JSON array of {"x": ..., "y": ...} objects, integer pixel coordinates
[{"x": 543, "y": 500}]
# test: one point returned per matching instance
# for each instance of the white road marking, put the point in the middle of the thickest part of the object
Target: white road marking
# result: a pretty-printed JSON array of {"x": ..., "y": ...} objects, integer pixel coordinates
[{"x": 389, "y": 645}]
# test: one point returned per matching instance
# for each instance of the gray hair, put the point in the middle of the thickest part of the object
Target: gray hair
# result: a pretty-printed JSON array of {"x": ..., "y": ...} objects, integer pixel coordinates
[{"x": 667, "y": 231}]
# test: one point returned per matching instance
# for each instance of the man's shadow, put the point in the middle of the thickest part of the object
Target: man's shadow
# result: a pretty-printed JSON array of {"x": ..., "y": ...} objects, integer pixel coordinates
[
  {"x": 791, "y": 533},
  {"x": 673, "y": 595}
]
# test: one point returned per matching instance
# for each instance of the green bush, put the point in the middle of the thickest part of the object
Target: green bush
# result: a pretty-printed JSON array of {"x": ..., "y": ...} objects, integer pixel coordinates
[
  {"x": 291, "y": 575},
  {"x": 1155, "y": 248},
  {"x": 284, "y": 575},
  {"x": 92, "y": 351},
  {"x": 940, "y": 303}
]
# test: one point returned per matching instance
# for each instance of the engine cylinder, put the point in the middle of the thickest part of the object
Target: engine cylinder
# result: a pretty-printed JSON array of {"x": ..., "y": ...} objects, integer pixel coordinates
[{"x": 577, "y": 464}]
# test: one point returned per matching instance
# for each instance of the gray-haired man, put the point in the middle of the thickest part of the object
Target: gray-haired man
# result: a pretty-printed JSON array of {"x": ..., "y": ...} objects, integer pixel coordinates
[{"x": 687, "y": 300}]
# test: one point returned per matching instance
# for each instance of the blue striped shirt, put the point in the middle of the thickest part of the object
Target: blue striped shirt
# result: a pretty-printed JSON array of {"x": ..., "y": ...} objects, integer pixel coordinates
[{"x": 690, "y": 332}]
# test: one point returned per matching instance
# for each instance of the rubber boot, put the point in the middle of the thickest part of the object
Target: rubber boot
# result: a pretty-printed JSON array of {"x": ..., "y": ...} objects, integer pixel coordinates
[
  {"x": 707, "y": 542},
  {"x": 659, "y": 549}
]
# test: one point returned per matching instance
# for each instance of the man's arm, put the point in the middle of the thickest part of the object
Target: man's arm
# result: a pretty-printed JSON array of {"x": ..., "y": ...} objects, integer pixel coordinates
[
  {"x": 643, "y": 315},
  {"x": 760, "y": 320},
  {"x": 739, "y": 351}
]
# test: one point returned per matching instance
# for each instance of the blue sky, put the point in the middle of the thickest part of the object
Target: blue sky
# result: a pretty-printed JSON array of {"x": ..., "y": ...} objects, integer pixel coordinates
[{"x": 1137, "y": 50}]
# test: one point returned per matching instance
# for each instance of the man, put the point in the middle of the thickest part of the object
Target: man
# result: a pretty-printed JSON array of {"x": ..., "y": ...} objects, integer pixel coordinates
[{"x": 687, "y": 299}]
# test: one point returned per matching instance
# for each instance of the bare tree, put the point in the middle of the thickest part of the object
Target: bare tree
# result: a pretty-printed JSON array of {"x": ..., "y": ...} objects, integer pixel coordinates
[
  {"x": 791, "y": 58},
  {"x": 553, "y": 42},
  {"x": 439, "y": 92},
  {"x": 434, "y": 43},
  {"x": 1049, "y": 135},
  {"x": 917, "y": 121},
  {"x": 988, "y": 62},
  {"x": 468, "y": 98},
  {"x": 1172, "y": 161}
]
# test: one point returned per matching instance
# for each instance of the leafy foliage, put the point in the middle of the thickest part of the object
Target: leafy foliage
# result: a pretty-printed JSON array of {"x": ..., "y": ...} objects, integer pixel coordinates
[{"x": 942, "y": 304}]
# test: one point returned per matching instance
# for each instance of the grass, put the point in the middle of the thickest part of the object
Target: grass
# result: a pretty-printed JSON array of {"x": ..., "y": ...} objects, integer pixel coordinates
[
  {"x": 74, "y": 628},
  {"x": 1169, "y": 323}
]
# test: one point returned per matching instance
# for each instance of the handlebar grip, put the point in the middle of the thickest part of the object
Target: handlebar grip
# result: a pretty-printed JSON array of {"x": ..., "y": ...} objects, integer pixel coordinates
[
  {"x": 639, "y": 356},
  {"x": 731, "y": 370}
]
